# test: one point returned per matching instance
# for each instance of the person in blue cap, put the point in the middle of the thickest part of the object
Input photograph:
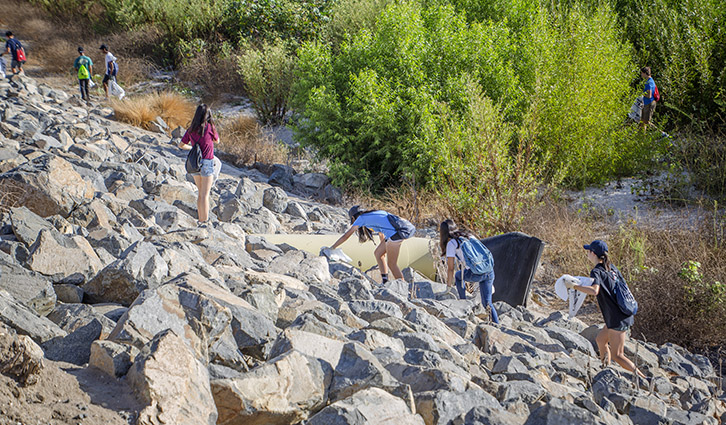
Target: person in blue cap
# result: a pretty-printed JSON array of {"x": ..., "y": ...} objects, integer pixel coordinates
[
  {"x": 392, "y": 231},
  {"x": 611, "y": 339}
]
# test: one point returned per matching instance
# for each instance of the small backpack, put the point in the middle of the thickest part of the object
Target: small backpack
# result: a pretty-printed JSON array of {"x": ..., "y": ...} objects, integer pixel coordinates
[
  {"x": 656, "y": 94},
  {"x": 112, "y": 69},
  {"x": 477, "y": 257},
  {"x": 402, "y": 226},
  {"x": 83, "y": 73},
  {"x": 622, "y": 295},
  {"x": 19, "y": 52}
]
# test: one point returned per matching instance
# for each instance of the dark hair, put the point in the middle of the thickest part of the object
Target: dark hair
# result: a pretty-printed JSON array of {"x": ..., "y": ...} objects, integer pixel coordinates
[
  {"x": 448, "y": 230},
  {"x": 80, "y": 49},
  {"x": 364, "y": 234},
  {"x": 202, "y": 118},
  {"x": 8, "y": 34},
  {"x": 645, "y": 70}
]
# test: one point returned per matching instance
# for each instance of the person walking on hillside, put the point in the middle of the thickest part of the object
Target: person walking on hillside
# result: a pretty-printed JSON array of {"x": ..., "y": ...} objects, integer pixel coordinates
[
  {"x": 451, "y": 240},
  {"x": 203, "y": 132},
  {"x": 392, "y": 231},
  {"x": 649, "y": 97},
  {"x": 611, "y": 339},
  {"x": 16, "y": 51},
  {"x": 84, "y": 67},
  {"x": 111, "y": 67}
]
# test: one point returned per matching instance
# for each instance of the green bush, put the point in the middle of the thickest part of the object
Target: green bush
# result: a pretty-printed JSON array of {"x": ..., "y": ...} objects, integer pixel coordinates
[
  {"x": 483, "y": 165},
  {"x": 268, "y": 75},
  {"x": 271, "y": 19},
  {"x": 362, "y": 106}
]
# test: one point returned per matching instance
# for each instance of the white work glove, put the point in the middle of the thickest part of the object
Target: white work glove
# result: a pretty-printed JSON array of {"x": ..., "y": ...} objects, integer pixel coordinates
[
  {"x": 570, "y": 282},
  {"x": 324, "y": 251}
]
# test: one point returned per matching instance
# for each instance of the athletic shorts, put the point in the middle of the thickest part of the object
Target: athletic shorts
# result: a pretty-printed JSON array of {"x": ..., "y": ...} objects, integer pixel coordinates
[
  {"x": 106, "y": 78},
  {"x": 623, "y": 328},
  {"x": 648, "y": 110},
  {"x": 16, "y": 64}
]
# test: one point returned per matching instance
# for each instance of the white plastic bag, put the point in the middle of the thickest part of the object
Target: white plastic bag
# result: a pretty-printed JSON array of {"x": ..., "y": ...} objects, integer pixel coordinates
[
  {"x": 2, "y": 67},
  {"x": 116, "y": 90},
  {"x": 335, "y": 255},
  {"x": 91, "y": 84},
  {"x": 575, "y": 298}
]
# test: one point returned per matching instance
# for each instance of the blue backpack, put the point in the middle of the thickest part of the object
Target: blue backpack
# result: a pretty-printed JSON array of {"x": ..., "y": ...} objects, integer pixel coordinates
[
  {"x": 622, "y": 295},
  {"x": 477, "y": 257}
]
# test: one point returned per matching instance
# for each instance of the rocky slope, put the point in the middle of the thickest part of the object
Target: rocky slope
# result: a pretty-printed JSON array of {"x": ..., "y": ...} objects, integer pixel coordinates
[{"x": 106, "y": 282}]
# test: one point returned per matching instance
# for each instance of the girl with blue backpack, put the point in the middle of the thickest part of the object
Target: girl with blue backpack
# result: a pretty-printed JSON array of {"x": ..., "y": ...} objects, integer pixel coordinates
[
  {"x": 616, "y": 303},
  {"x": 391, "y": 229},
  {"x": 476, "y": 261}
]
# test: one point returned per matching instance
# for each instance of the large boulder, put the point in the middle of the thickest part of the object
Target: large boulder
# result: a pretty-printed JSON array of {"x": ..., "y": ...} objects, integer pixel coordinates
[
  {"x": 275, "y": 199},
  {"x": 285, "y": 390},
  {"x": 310, "y": 344},
  {"x": 172, "y": 383},
  {"x": 76, "y": 346},
  {"x": 48, "y": 185},
  {"x": 27, "y": 225},
  {"x": 302, "y": 266},
  {"x": 20, "y": 357},
  {"x": 140, "y": 267},
  {"x": 78, "y": 257},
  {"x": 369, "y": 406},
  {"x": 441, "y": 407},
  {"x": 112, "y": 358},
  {"x": 30, "y": 288},
  {"x": 358, "y": 369}
]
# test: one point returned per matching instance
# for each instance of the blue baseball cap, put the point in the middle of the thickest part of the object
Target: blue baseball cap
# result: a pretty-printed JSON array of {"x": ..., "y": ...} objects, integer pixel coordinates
[{"x": 598, "y": 247}]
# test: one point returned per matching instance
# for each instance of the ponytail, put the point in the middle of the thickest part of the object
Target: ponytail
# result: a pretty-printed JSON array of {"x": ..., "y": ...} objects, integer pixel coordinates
[{"x": 605, "y": 261}]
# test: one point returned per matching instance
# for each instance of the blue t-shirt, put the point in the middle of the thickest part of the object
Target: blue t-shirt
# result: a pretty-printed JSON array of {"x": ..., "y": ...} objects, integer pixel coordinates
[
  {"x": 377, "y": 221},
  {"x": 649, "y": 85},
  {"x": 14, "y": 45}
]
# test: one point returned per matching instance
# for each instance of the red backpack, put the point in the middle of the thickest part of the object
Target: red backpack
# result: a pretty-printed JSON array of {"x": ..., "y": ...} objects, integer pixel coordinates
[{"x": 656, "y": 94}]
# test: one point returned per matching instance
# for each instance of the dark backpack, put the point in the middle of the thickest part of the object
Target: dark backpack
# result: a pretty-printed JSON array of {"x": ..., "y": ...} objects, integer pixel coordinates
[
  {"x": 477, "y": 257},
  {"x": 112, "y": 69},
  {"x": 402, "y": 226},
  {"x": 621, "y": 293},
  {"x": 194, "y": 159}
]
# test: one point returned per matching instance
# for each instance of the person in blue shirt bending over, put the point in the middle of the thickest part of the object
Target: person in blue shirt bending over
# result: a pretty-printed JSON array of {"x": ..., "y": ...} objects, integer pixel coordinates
[{"x": 392, "y": 231}]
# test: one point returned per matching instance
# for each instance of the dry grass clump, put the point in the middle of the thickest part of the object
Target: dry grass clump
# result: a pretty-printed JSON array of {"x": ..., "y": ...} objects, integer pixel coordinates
[
  {"x": 216, "y": 75},
  {"x": 242, "y": 142},
  {"x": 10, "y": 194},
  {"x": 173, "y": 108}
]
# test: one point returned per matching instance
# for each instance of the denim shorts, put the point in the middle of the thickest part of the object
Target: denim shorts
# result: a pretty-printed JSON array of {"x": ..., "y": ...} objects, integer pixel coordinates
[
  {"x": 623, "y": 328},
  {"x": 210, "y": 168}
]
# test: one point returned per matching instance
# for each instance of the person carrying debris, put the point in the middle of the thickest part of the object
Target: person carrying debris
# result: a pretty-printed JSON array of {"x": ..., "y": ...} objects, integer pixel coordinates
[
  {"x": 17, "y": 53},
  {"x": 476, "y": 260},
  {"x": 392, "y": 231},
  {"x": 616, "y": 303},
  {"x": 203, "y": 133},
  {"x": 650, "y": 97},
  {"x": 111, "y": 67},
  {"x": 84, "y": 66}
]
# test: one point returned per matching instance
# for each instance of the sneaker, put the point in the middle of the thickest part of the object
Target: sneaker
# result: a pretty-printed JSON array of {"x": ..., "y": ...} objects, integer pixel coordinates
[{"x": 203, "y": 224}]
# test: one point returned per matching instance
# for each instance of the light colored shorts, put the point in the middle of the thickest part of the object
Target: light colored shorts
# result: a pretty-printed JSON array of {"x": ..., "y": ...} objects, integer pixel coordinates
[
  {"x": 210, "y": 167},
  {"x": 648, "y": 110}
]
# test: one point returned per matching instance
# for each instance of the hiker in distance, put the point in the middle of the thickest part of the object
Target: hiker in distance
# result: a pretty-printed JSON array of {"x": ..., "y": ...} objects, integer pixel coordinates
[
  {"x": 392, "y": 231},
  {"x": 203, "y": 133},
  {"x": 16, "y": 51},
  {"x": 111, "y": 67},
  {"x": 607, "y": 282},
  {"x": 650, "y": 98},
  {"x": 475, "y": 260},
  {"x": 84, "y": 67}
]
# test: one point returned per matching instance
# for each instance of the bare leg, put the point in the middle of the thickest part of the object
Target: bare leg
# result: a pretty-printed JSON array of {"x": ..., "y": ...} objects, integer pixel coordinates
[
  {"x": 380, "y": 253},
  {"x": 602, "y": 346},
  {"x": 204, "y": 185},
  {"x": 392, "y": 250},
  {"x": 617, "y": 342}
]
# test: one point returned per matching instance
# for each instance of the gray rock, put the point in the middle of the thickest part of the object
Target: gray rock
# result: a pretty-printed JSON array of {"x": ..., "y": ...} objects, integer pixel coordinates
[
  {"x": 355, "y": 289},
  {"x": 25, "y": 321},
  {"x": 312, "y": 182},
  {"x": 283, "y": 391},
  {"x": 263, "y": 298},
  {"x": 248, "y": 193},
  {"x": 358, "y": 369},
  {"x": 682, "y": 417},
  {"x": 528, "y": 392},
  {"x": 482, "y": 415},
  {"x": 370, "y": 406},
  {"x": 140, "y": 267},
  {"x": 294, "y": 209},
  {"x": 442, "y": 407},
  {"x": 571, "y": 340},
  {"x": 27, "y": 225},
  {"x": 371, "y": 310},
  {"x": 232, "y": 209},
  {"x": 71, "y": 317},
  {"x": 301, "y": 265},
  {"x": 609, "y": 384},
  {"x": 275, "y": 199},
  {"x": 672, "y": 360},
  {"x": 68, "y": 293},
  {"x": 30, "y": 288},
  {"x": 78, "y": 257},
  {"x": 172, "y": 383},
  {"x": 282, "y": 177},
  {"x": 112, "y": 358},
  {"x": 326, "y": 349},
  {"x": 558, "y": 411},
  {"x": 76, "y": 346},
  {"x": 422, "y": 378}
]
